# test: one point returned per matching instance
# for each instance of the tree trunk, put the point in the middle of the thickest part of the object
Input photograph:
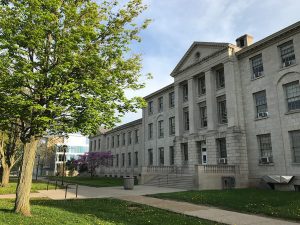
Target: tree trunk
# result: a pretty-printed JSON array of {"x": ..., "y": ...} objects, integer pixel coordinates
[
  {"x": 5, "y": 176},
  {"x": 22, "y": 204}
]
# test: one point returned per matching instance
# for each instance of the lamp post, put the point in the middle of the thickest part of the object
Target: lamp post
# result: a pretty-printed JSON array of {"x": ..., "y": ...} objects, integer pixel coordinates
[
  {"x": 64, "y": 148},
  {"x": 37, "y": 167}
]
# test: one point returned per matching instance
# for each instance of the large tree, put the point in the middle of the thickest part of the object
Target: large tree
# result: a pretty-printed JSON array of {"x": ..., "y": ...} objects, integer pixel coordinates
[{"x": 64, "y": 67}]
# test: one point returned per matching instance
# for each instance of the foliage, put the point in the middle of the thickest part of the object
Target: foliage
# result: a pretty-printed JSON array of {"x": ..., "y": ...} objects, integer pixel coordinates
[
  {"x": 93, "y": 182},
  {"x": 93, "y": 160},
  {"x": 95, "y": 211},
  {"x": 282, "y": 204}
]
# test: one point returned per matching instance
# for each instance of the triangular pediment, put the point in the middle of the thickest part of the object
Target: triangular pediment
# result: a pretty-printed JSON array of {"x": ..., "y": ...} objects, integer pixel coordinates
[{"x": 198, "y": 51}]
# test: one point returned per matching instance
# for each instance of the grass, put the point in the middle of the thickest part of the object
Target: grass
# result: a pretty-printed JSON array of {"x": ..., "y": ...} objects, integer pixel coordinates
[
  {"x": 94, "y": 211},
  {"x": 93, "y": 181},
  {"x": 280, "y": 204},
  {"x": 36, "y": 185}
]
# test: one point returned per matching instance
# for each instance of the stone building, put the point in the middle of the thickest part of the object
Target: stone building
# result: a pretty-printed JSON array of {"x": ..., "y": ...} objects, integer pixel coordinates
[{"x": 230, "y": 119}]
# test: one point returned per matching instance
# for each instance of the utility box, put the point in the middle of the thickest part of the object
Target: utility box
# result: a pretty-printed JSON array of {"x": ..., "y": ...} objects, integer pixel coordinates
[
  {"x": 128, "y": 183},
  {"x": 228, "y": 182}
]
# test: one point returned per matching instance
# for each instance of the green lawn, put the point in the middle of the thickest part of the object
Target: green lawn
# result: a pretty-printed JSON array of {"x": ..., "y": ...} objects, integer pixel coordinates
[
  {"x": 36, "y": 185},
  {"x": 93, "y": 181},
  {"x": 94, "y": 211},
  {"x": 268, "y": 202}
]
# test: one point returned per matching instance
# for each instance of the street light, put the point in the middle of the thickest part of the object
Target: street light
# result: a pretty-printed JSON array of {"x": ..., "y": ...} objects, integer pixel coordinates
[{"x": 64, "y": 148}]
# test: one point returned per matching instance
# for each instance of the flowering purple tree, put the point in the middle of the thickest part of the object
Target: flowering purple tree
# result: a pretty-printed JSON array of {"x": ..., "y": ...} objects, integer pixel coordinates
[{"x": 92, "y": 160}]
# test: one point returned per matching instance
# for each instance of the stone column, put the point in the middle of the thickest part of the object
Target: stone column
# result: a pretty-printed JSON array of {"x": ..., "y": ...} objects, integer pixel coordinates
[
  {"x": 178, "y": 110},
  {"x": 211, "y": 102},
  {"x": 191, "y": 102}
]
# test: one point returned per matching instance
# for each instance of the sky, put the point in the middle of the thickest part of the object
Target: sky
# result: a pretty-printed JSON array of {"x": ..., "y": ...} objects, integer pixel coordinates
[{"x": 176, "y": 24}]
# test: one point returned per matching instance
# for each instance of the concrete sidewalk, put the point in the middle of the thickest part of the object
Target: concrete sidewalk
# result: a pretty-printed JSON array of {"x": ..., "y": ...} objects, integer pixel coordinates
[{"x": 204, "y": 212}]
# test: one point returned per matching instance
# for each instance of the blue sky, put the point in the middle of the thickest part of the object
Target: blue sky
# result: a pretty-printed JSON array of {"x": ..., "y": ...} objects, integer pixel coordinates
[{"x": 178, "y": 23}]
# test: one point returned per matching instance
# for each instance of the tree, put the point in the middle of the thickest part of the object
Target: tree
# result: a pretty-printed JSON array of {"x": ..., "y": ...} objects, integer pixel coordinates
[{"x": 64, "y": 68}]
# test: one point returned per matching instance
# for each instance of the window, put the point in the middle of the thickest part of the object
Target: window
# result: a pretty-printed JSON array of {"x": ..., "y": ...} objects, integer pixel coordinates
[
  {"x": 261, "y": 104},
  {"x": 136, "y": 159},
  {"x": 150, "y": 130},
  {"x": 185, "y": 152},
  {"x": 150, "y": 108},
  {"x": 61, "y": 158},
  {"x": 172, "y": 125},
  {"x": 95, "y": 143},
  {"x": 123, "y": 159},
  {"x": 221, "y": 142},
  {"x": 123, "y": 139},
  {"x": 222, "y": 110},
  {"x": 160, "y": 104},
  {"x": 91, "y": 145},
  {"x": 113, "y": 141},
  {"x": 293, "y": 96},
  {"x": 129, "y": 137},
  {"x": 150, "y": 157},
  {"x": 161, "y": 156},
  {"x": 265, "y": 148},
  {"x": 171, "y": 99},
  {"x": 172, "y": 155},
  {"x": 203, "y": 114},
  {"x": 257, "y": 66},
  {"x": 186, "y": 119},
  {"x": 287, "y": 54},
  {"x": 117, "y": 160},
  {"x": 201, "y": 85},
  {"x": 160, "y": 128},
  {"x": 107, "y": 145},
  {"x": 129, "y": 158},
  {"x": 99, "y": 144},
  {"x": 295, "y": 143},
  {"x": 185, "y": 92},
  {"x": 118, "y": 140},
  {"x": 136, "y": 134},
  {"x": 220, "y": 78}
]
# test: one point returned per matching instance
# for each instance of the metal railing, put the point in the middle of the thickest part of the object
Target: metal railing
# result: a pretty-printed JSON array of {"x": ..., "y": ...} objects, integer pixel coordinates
[{"x": 66, "y": 190}]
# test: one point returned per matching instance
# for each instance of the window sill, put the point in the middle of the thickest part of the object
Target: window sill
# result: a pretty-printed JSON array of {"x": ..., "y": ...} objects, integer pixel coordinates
[
  {"x": 296, "y": 164},
  {"x": 292, "y": 111},
  {"x": 287, "y": 67},
  {"x": 266, "y": 164},
  {"x": 257, "y": 78},
  {"x": 261, "y": 118},
  {"x": 201, "y": 95}
]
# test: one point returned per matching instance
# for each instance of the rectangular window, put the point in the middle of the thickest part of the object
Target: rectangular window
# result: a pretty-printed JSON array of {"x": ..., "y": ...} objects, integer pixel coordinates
[
  {"x": 107, "y": 145},
  {"x": 129, "y": 158},
  {"x": 220, "y": 78},
  {"x": 172, "y": 125},
  {"x": 185, "y": 92},
  {"x": 99, "y": 144},
  {"x": 171, "y": 99},
  {"x": 257, "y": 66},
  {"x": 117, "y": 160},
  {"x": 185, "y": 152},
  {"x": 295, "y": 142},
  {"x": 95, "y": 144},
  {"x": 261, "y": 104},
  {"x": 186, "y": 119},
  {"x": 136, "y": 134},
  {"x": 150, "y": 157},
  {"x": 129, "y": 137},
  {"x": 203, "y": 114},
  {"x": 150, "y": 130},
  {"x": 287, "y": 54},
  {"x": 222, "y": 150},
  {"x": 113, "y": 141},
  {"x": 118, "y": 140},
  {"x": 91, "y": 146},
  {"x": 265, "y": 148},
  {"x": 172, "y": 155},
  {"x": 293, "y": 96},
  {"x": 161, "y": 156},
  {"x": 123, "y": 159},
  {"x": 160, "y": 128},
  {"x": 150, "y": 108},
  {"x": 222, "y": 110},
  {"x": 136, "y": 159},
  {"x": 123, "y": 139},
  {"x": 160, "y": 104},
  {"x": 201, "y": 85}
]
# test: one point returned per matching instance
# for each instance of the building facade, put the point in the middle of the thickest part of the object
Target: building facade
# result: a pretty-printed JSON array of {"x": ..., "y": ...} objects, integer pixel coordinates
[{"x": 231, "y": 117}]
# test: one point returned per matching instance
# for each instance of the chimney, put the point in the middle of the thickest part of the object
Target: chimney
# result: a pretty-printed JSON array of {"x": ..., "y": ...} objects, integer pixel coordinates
[{"x": 244, "y": 41}]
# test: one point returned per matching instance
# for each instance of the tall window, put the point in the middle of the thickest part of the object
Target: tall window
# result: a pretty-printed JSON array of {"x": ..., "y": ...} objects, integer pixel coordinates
[
  {"x": 203, "y": 114},
  {"x": 161, "y": 156},
  {"x": 160, "y": 104},
  {"x": 95, "y": 144},
  {"x": 150, "y": 108},
  {"x": 117, "y": 160},
  {"x": 172, "y": 155},
  {"x": 150, "y": 157},
  {"x": 220, "y": 78},
  {"x": 136, "y": 159},
  {"x": 222, "y": 110},
  {"x": 186, "y": 119},
  {"x": 113, "y": 141},
  {"x": 222, "y": 147},
  {"x": 129, "y": 137},
  {"x": 185, "y": 152},
  {"x": 201, "y": 85},
  {"x": 150, "y": 130},
  {"x": 293, "y": 96},
  {"x": 265, "y": 147},
  {"x": 295, "y": 142},
  {"x": 129, "y": 158},
  {"x": 261, "y": 104},
  {"x": 171, "y": 99},
  {"x": 107, "y": 144},
  {"x": 287, "y": 54},
  {"x": 257, "y": 66},
  {"x": 161, "y": 128},
  {"x": 118, "y": 140},
  {"x": 172, "y": 125},
  {"x": 123, "y": 139},
  {"x": 185, "y": 92},
  {"x": 99, "y": 144},
  {"x": 123, "y": 159},
  {"x": 136, "y": 134}
]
